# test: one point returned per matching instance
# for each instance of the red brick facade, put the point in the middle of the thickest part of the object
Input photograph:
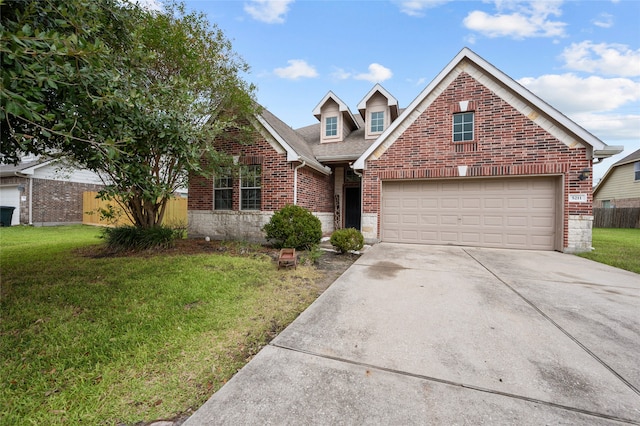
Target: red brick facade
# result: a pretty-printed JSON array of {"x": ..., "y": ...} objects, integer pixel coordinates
[
  {"x": 506, "y": 143},
  {"x": 314, "y": 189}
]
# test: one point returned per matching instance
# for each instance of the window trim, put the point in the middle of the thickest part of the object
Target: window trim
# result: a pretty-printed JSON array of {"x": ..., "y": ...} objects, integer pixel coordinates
[
  {"x": 257, "y": 178},
  {"x": 463, "y": 132},
  {"x": 379, "y": 122},
  {"x": 218, "y": 189},
  {"x": 334, "y": 126},
  {"x": 636, "y": 171}
]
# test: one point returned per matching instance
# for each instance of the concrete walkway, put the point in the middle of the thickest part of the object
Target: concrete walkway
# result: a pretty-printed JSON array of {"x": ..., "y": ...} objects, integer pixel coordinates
[{"x": 450, "y": 335}]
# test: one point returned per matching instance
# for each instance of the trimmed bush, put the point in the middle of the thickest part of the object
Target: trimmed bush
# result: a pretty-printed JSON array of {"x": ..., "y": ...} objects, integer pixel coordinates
[
  {"x": 346, "y": 240},
  {"x": 135, "y": 238},
  {"x": 293, "y": 227}
]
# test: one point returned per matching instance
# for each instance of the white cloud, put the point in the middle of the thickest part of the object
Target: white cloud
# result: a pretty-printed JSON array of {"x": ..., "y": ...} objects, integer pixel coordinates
[
  {"x": 416, "y": 7},
  {"x": 609, "y": 127},
  {"x": 377, "y": 74},
  {"x": 605, "y": 20},
  {"x": 518, "y": 20},
  {"x": 269, "y": 11},
  {"x": 297, "y": 68},
  {"x": 572, "y": 94},
  {"x": 341, "y": 74},
  {"x": 610, "y": 59}
]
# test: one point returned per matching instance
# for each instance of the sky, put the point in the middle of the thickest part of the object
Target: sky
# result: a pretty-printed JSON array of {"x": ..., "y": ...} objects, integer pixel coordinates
[{"x": 582, "y": 57}]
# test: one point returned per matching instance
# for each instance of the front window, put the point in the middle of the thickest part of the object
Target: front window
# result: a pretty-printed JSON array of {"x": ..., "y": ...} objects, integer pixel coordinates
[
  {"x": 377, "y": 122},
  {"x": 223, "y": 190},
  {"x": 250, "y": 188},
  {"x": 636, "y": 170},
  {"x": 606, "y": 204},
  {"x": 331, "y": 126},
  {"x": 463, "y": 127}
]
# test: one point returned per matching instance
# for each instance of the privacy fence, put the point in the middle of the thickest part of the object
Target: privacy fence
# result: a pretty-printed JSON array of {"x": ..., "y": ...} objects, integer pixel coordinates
[
  {"x": 616, "y": 218},
  {"x": 175, "y": 215}
]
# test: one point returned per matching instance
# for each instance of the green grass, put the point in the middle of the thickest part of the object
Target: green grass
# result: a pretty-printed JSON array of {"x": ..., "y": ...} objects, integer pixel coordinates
[
  {"x": 616, "y": 247},
  {"x": 127, "y": 339}
]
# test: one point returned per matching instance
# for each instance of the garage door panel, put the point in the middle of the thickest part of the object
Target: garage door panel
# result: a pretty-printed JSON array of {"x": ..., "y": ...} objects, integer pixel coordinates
[
  {"x": 493, "y": 203},
  {"x": 470, "y": 220},
  {"x": 471, "y": 203},
  {"x": 450, "y": 203},
  {"x": 513, "y": 213},
  {"x": 518, "y": 203},
  {"x": 448, "y": 219},
  {"x": 493, "y": 220},
  {"x": 471, "y": 238}
]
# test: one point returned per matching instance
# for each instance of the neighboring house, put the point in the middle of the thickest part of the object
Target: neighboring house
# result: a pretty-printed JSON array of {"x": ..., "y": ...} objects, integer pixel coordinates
[
  {"x": 45, "y": 191},
  {"x": 476, "y": 159},
  {"x": 620, "y": 186}
]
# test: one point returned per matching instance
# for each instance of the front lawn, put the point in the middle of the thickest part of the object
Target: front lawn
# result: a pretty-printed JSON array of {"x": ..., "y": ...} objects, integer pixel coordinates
[
  {"x": 619, "y": 247},
  {"x": 107, "y": 340}
]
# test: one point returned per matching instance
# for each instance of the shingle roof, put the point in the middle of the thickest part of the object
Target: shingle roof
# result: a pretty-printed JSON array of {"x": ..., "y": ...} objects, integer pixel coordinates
[
  {"x": 634, "y": 156},
  {"x": 11, "y": 170},
  {"x": 292, "y": 138}
]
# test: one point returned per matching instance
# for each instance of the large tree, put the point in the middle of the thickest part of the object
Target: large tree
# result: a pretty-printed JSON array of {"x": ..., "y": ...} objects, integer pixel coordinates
[{"x": 132, "y": 94}]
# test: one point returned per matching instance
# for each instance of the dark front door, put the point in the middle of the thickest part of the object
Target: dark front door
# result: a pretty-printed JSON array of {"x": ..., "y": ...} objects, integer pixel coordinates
[{"x": 352, "y": 207}]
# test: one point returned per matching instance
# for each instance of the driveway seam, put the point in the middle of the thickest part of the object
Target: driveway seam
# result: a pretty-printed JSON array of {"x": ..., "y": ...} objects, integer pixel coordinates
[
  {"x": 461, "y": 385},
  {"x": 558, "y": 326}
]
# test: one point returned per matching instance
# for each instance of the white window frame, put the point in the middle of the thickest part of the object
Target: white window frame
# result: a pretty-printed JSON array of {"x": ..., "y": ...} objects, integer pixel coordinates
[
  {"x": 636, "y": 171},
  {"x": 218, "y": 188},
  {"x": 463, "y": 124},
  {"x": 252, "y": 184},
  {"x": 333, "y": 127},
  {"x": 379, "y": 122}
]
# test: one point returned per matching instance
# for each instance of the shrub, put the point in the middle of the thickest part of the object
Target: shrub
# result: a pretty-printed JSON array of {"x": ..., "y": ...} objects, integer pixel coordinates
[
  {"x": 312, "y": 255},
  {"x": 136, "y": 238},
  {"x": 345, "y": 240},
  {"x": 293, "y": 227}
]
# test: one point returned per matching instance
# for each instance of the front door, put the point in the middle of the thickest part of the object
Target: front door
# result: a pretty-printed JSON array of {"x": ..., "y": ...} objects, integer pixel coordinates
[{"x": 352, "y": 208}]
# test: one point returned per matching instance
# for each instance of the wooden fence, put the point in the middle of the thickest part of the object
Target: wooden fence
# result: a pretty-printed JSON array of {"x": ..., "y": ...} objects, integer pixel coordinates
[
  {"x": 617, "y": 218},
  {"x": 175, "y": 214}
]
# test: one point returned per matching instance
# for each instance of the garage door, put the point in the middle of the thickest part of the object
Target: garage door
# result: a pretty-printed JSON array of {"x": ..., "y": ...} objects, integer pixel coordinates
[
  {"x": 10, "y": 196},
  {"x": 507, "y": 213}
]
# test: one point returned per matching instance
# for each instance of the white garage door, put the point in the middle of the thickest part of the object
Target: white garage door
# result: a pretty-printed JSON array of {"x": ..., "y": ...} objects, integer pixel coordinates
[
  {"x": 10, "y": 196},
  {"x": 508, "y": 213}
]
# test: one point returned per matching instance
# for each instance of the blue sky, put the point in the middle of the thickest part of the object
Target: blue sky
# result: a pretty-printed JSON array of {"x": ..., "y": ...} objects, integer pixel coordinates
[{"x": 582, "y": 57}]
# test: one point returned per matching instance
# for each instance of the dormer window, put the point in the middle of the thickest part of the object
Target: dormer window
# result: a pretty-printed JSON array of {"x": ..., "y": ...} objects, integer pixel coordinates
[
  {"x": 331, "y": 126},
  {"x": 378, "y": 109},
  {"x": 377, "y": 122}
]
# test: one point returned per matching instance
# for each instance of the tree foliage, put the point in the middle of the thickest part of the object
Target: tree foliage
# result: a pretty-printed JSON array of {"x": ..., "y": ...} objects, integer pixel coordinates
[{"x": 132, "y": 94}]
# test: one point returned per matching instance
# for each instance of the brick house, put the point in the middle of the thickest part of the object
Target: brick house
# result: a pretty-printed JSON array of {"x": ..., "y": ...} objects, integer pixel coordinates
[
  {"x": 476, "y": 159},
  {"x": 620, "y": 186},
  {"x": 45, "y": 192}
]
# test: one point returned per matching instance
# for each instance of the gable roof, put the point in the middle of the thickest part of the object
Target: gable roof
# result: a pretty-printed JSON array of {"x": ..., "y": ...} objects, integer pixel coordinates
[
  {"x": 342, "y": 107},
  {"x": 631, "y": 158},
  {"x": 291, "y": 141},
  {"x": 392, "y": 102},
  {"x": 515, "y": 94},
  {"x": 24, "y": 168}
]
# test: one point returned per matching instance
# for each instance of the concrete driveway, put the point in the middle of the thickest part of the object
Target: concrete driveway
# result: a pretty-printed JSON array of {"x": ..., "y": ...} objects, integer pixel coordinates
[{"x": 451, "y": 335}]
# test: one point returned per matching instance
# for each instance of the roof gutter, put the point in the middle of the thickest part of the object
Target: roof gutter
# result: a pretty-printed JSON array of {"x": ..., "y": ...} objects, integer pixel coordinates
[{"x": 607, "y": 152}]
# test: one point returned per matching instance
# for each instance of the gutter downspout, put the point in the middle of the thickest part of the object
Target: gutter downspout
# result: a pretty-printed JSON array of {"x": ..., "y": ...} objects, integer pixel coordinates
[
  {"x": 30, "y": 201},
  {"x": 295, "y": 181}
]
